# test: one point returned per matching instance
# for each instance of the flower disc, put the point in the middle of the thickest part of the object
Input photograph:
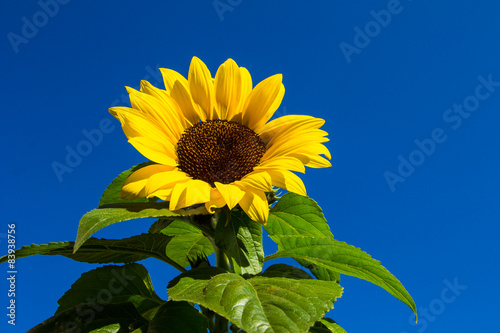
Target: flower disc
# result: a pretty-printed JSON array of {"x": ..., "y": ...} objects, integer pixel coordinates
[{"x": 219, "y": 151}]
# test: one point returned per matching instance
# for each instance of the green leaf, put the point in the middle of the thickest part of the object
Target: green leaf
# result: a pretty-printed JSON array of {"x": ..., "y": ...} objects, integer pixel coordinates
[
  {"x": 105, "y": 251},
  {"x": 241, "y": 241},
  {"x": 102, "y": 217},
  {"x": 75, "y": 319},
  {"x": 296, "y": 215},
  {"x": 258, "y": 304},
  {"x": 112, "y": 193},
  {"x": 332, "y": 325},
  {"x": 188, "y": 243},
  {"x": 326, "y": 325},
  {"x": 287, "y": 271},
  {"x": 113, "y": 328},
  {"x": 346, "y": 259},
  {"x": 175, "y": 317},
  {"x": 110, "y": 285}
]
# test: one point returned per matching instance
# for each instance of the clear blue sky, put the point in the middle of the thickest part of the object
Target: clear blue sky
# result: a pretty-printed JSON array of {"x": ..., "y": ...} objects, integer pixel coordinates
[{"x": 410, "y": 91}]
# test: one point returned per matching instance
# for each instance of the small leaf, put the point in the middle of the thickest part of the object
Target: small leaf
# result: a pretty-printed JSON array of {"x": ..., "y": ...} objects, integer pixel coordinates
[
  {"x": 346, "y": 259},
  {"x": 176, "y": 317},
  {"x": 296, "y": 215},
  {"x": 188, "y": 243},
  {"x": 105, "y": 251},
  {"x": 332, "y": 325},
  {"x": 125, "y": 315},
  {"x": 103, "y": 217},
  {"x": 259, "y": 304},
  {"x": 112, "y": 193},
  {"x": 113, "y": 328},
  {"x": 241, "y": 241},
  {"x": 110, "y": 285},
  {"x": 326, "y": 325}
]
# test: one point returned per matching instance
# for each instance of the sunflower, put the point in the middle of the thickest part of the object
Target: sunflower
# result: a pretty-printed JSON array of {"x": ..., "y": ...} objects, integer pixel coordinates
[{"x": 212, "y": 141}]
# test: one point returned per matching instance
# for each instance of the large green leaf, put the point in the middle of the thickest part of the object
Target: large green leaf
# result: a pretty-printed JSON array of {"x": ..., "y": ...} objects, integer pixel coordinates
[
  {"x": 295, "y": 216},
  {"x": 241, "y": 240},
  {"x": 346, "y": 259},
  {"x": 110, "y": 285},
  {"x": 102, "y": 217},
  {"x": 258, "y": 304},
  {"x": 177, "y": 317},
  {"x": 105, "y": 251},
  {"x": 77, "y": 319},
  {"x": 187, "y": 244},
  {"x": 112, "y": 193}
]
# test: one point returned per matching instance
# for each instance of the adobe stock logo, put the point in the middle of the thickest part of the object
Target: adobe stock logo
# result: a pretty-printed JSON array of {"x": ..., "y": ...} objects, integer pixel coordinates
[
  {"x": 94, "y": 137},
  {"x": 427, "y": 146},
  {"x": 222, "y": 6},
  {"x": 436, "y": 307},
  {"x": 364, "y": 35},
  {"x": 39, "y": 19}
]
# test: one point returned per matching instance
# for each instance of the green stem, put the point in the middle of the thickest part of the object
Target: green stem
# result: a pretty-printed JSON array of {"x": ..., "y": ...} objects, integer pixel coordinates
[{"x": 221, "y": 261}]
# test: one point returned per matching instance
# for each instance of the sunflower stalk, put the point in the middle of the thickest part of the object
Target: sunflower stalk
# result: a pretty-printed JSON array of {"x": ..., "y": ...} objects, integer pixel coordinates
[{"x": 221, "y": 261}]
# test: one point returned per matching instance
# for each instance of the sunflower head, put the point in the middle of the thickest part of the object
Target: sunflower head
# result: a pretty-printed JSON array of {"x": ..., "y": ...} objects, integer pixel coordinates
[{"x": 213, "y": 143}]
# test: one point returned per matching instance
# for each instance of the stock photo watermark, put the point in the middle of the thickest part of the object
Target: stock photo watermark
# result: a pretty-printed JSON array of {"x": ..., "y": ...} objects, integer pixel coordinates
[
  {"x": 436, "y": 307},
  {"x": 454, "y": 118},
  {"x": 11, "y": 273},
  {"x": 94, "y": 137},
  {"x": 87, "y": 312},
  {"x": 366, "y": 33},
  {"x": 31, "y": 25},
  {"x": 223, "y": 6}
]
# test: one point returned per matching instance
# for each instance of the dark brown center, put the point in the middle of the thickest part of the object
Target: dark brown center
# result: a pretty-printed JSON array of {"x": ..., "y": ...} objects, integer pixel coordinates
[{"x": 219, "y": 151}]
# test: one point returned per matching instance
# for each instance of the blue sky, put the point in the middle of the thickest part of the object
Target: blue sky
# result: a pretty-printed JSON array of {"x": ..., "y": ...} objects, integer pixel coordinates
[{"x": 410, "y": 91}]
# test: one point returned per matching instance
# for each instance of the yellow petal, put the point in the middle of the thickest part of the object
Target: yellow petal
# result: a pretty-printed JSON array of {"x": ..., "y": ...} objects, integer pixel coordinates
[
  {"x": 293, "y": 145},
  {"x": 231, "y": 193},
  {"x": 272, "y": 109},
  {"x": 288, "y": 124},
  {"x": 304, "y": 136},
  {"x": 254, "y": 204},
  {"x": 170, "y": 77},
  {"x": 189, "y": 193},
  {"x": 162, "y": 96},
  {"x": 288, "y": 181},
  {"x": 216, "y": 201},
  {"x": 161, "y": 194},
  {"x": 315, "y": 149},
  {"x": 202, "y": 87},
  {"x": 165, "y": 115},
  {"x": 313, "y": 161},
  {"x": 192, "y": 112},
  {"x": 228, "y": 89},
  {"x": 198, "y": 191},
  {"x": 143, "y": 146},
  {"x": 263, "y": 101},
  {"x": 282, "y": 162},
  {"x": 246, "y": 83},
  {"x": 135, "y": 123},
  {"x": 259, "y": 180},
  {"x": 147, "y": 149},
  {"x": 166, "y": 180},
  {"x": 134, "y": 185}
]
